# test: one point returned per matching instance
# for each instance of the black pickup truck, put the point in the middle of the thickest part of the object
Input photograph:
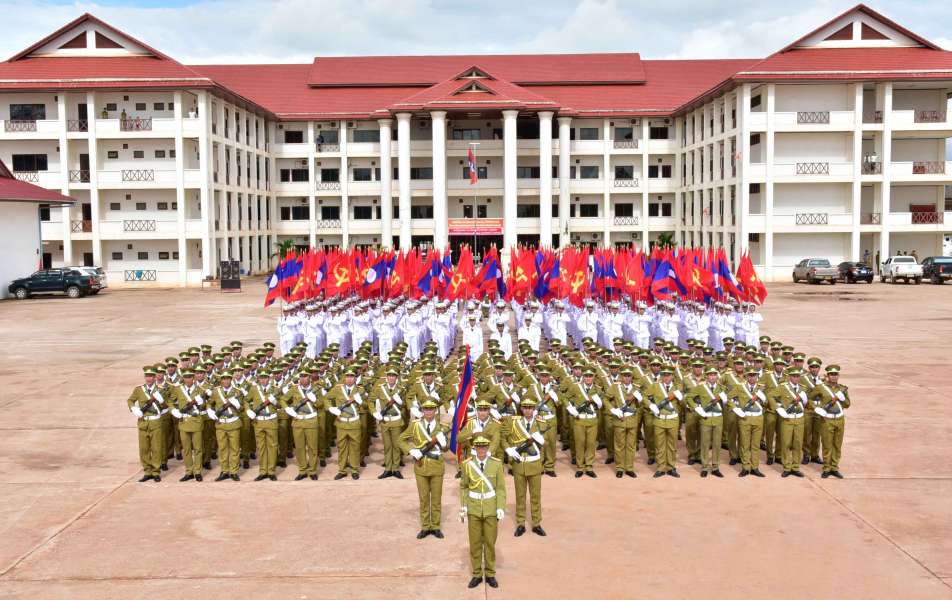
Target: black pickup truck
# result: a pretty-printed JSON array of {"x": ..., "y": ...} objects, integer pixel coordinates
[
  {"x": 53, "y": 281},
  {"x": 937, "y": 269}
]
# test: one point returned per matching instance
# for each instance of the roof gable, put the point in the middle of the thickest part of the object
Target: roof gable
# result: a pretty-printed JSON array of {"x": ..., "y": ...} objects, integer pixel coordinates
[
  {"x": 101, "y": 40},
  {"x": 860, "y": 27},
  {"x": 14, "y": 190}
]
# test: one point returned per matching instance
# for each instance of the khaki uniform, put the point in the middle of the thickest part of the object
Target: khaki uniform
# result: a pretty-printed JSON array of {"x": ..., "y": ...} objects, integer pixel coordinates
[
  {"x": 483, "y": 492},
  {"x": 547, "y": 411},
  {"x": 623, "y": 402},
  {"x": 345, "y": 404},
  {"x": 225, "y": 406},
  {"x": 749, "y": 401},
  {"x": 263, "y": 410},
  {"x": 490, "y": 429},
  {"x": 789, "y": 402},
  {"x": 525, "y": 446},
  {"x": 150, "y": 402},
  {"x": 829, "y": 403},
  {"x": 662, "y": 402},
  {"x": 305, "y": 406},
  {"x": 772, "y": 422},
  {"x": 729, "y": 381},
  {"x": 584, "y": 403},
  {"x": 387, "y": 410},
  {"x": 690, "y": 418},
  {"x": 812, "y": 423},
  {"x": 190, "y": 406},
  {"x": 708, "y": 403},
  {"x": 429, "y": 469}
]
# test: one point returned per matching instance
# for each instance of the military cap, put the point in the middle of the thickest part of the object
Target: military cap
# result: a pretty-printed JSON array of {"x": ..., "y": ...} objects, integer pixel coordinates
[
  {"x": 832, "y": 369},
  {"x": 544, "y": 371},
  {"x": 264, "y": 373},
  {"x": 555, "y": 342},
  {"x": 708, "y": 351},
  {"x": 814, "y": 361},
  {"x": 428, "y": 403},
  {"x": 751, "y": 371},
  {"x": 627, "y": 371},
  {"x": 509, "y": 373},
  {"x": 697, "y": 363},
  {"x": 615, "y": 364},
  {"x": 226, "y": 349},
  {"x": 483, "y": 403},
  {"x": 794, "y": 372},
  {"x": 738, "y": 361},
  {"x": 666, "y": 370},
  {"x": 159, "y": 368},
  {"x": 729, "y": 340},
  {"x": 579, "y": 366},
  {"x": 720, "y": 355},
  {"x": 429, "y": 370},
  {"x": 758, "y": 357},
  {"x": 303, "y": 373},
  {"x": 764, "y": 338},
  {"x": 236, "y": 345},
  {"x": 229, "y": 373},
  {"x": 654, "y": 362},
  {"x": 208, "y": 364},
  {"x": 269, "y": 345},
  {"x": 194, "y": 352},
  {"x": 394, "y": 372},
  {"x": 710, "y": 370},
  {"x": 780, "y": 361},
  {"x": 799, "y": 356},
  {"x": 206, "y": 348},
  {"x": 148, "y": 370},
  {"x": 480, "y": 440},
  {"x": 183, "y": 355},
  {"x": 188, "y": 373},
  {"x": 171, "y": 361},
  {"x": 589, "y": 372},
  {"x": 333, "y": 345},
  {"x": 776, "y": 344},
  {"x": 787, "y": 349},
  {"x": 528, "y": 402}
]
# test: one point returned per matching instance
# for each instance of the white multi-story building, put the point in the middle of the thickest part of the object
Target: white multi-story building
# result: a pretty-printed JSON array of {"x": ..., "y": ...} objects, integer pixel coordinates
[{"x": 834, "y": 146}]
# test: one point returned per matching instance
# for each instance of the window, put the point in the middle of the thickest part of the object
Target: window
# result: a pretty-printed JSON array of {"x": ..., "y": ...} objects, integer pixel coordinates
[
  {"x": 625, "y": 134},
  {"x": 111, "y": 107},
  {"x": 572, "y": 172},
  {"x": 421, "y": 173},
  {"x": 117, "y": 256},
  {"x": 588, "y": 133},
  {"x": 754, "y": 139},
  {"x": 362, "y": 174},
  {"x": 364, "y": 213},
  {"x": 655, "y": 171},
  {"x": 175, "y": 255},
  {"x": 115, "y": 206},
  {"x": 288, "y": 175},
  {"x": 138, "y": 154},
  {"x": 296, "y": 213},
  {"x": 421, "y": 212},
  {"x": 755, "y": 102},
  {"x": 367, "y": 135},
  {"x": 160, "y": 153},
  {"x": 753, "y": 188},
  {"x": 555, "y": 210},
  {"x": 481, "y": 172},
  {"x": 466, "y": 134},
  {"x": 143, "y": 256},
  {"x": 330, "y": 213},
  {"x": 171, "y": 153},
  {"x": 328, "y": 175},
  {"x": 330, "y": 136},
  {"x": 657, "y": 133},
  {"x": 625, "y": 210},
  {"x": 588, "y": 210},
  {"x": 527, "y": 211},
  {"x": 140, "y": 105},
  {"x": 27, "y": 112},
  {"x": 293, "y": 137},
  {"x": 158, "y": 106},
  {"x": 112, "y": 154},
  {"x": 666, "y": 171},
  {"x": 656, "y": 209},
  {"x": 29, "y": 162},
  {"x": 163, "y": 255},
  {"x": 162, "y": 206},
  {"x": 588, "y": 172},
  {"x": 44, "y": 212},
  {"x": 624, "y": 172},
  {"x": 140, "y": 205},
  {"x": 527, "y": 172}
]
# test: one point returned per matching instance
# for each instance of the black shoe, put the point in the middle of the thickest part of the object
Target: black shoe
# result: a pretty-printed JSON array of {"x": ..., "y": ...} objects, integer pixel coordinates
[
  {"x": 437, "y": 534},
  {"x": 578, "y": 474},
  {"x": 610, "y": 460},
  {"x": 401, "y": 463},
  {"x": 757, "y": 473},
  {"x": 658, "y": 474},
  {"x": 300, "y": 477},
  {"x": 145, "y": 478},
  {"x": 631, "y": 474},
  {"x": 510, "y": 471},
  {"x": 207, "y": 465},
  {"x": 565, "y": 447},
  {"x": 397, "y": 474},
  {"x": 805, "y": 461},
  {"x": 261, "y": 477},
  {"x": 550, "y": 473},
  {"x": 763, "y": 446},
  {"x": 521, "y": 529},
  {"x": 375, "y": 434},
  {"x": 283, "y": 464},
  {"x": 717, "y": 473},
  {"x": 600, "y": 447},
  {"x": 734, "y": 461},
  {"x": 423, "y": 533},
  {"x": 164, "y": 466},
  {"x": 591, "y": 474},
  {"x": 674, "y": 473},
  {"x": 339, "y": 476},
  {"x": 825, "y": 474},
  {"x": 491, "y": 582},
  {"x": 384, "y": 475},
  {"x": 363, "y": 463},
  {"x": 651, "y": 461},
  {"x": 234, "y": 477},
  {"x": 355, "y": 475},
  {"x": 796, "y": 473},
  {"x": 323, "y": 462},
  {"x": 253, "y": 456},
  {"x": 743, "y": 473},
  {"x": 214, "y": 456},
  {"x": 703, "y": 473},
  {"x": 273, "y": 477},
  {"x": 725, "y": 447},
  {"x": 836, "y": 474},
  {"x": 573, "y": 461},
  {"x": 770, "y": 461},
  {"x": 619, "y": 474},
  {"x": 198, "y": 477},
  {"x": 156, "y": 479},
  {"x": 474, "y": 582},
  {"x": 817, "y": 461},
  {"x": 178, "y": 456},
  {"x": 538, "y": 530},
  {"x": 785, "y": 474},
  {"x": 188, "y": 477},
  {"x": 314, "y": 477},
  {"x": 458, "y": 475},
  {"x": 221, "y": 477}
]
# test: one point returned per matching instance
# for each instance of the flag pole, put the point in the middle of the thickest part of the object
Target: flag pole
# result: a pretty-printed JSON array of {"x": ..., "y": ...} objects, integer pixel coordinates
[{"x": 472, "y": 147}]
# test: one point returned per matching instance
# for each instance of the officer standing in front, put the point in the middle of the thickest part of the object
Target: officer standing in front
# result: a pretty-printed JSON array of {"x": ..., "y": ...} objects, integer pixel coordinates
[
  {"x": 482, "y": 494},
  {"x": 425, "y": 441}
]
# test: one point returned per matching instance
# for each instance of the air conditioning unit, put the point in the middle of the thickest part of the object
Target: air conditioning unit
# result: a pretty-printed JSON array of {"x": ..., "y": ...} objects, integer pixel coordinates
[
  {"x": 303, "y": 163},
  {"x": 280, "y": 126},
  {"x": 351, "y": 124},
  {"x": 595, "y": 236},
  {"x": 333, "y": 124},
  {"x": 667, "y": 121},
  {"x": 424, "y": 123},
  {"x": 636, "y": 121},
  {"x": 576, "y": 238}
]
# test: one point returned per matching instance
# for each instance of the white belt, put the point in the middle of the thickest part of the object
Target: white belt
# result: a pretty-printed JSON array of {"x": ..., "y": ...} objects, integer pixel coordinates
[
  {"x": 546, "y": 417},
  {"x": 481, "y": 496},
  {"x": 164, "y": 411},
  {"x": 151, "y": 417},
  {"x": 307, "y": 417},
  {"x": 713, "y": 414},
  {"x": 531, "y": 458},
  {"x": 667, "y": 417},
  {"x": 268, "y": 418},
  {"x": 796, "y": 416},
  {"x": 587, "y": 416},
  {"x": 750, "y": 413},
  {"x": 833, "y": 417},
  {"x": 228, "y": 420},
  {"x": 349, "y": 419},
  {"x": 390, "y": 419}
]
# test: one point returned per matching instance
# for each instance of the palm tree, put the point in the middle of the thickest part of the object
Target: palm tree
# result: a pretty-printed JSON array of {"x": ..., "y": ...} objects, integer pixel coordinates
[
  {"x": 665, "y": 240},
  {"x": 282, "y": 248}
]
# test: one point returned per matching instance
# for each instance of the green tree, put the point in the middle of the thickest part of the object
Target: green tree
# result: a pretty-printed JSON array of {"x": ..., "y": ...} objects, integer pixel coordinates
[
  {"x": 282, "y": 248},
  {"x": 665, "y": 240}
]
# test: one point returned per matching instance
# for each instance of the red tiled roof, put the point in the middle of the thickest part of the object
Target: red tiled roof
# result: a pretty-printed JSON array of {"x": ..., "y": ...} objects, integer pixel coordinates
[
  {"x": 869, "y": 12},
  {"x": 97, "y": 72},
  {"x": 851, "y": 63},
  {"x": 498, "y": 94},
  {"x": 14, "y": 190},
  {"x": 389, "y": 71}
]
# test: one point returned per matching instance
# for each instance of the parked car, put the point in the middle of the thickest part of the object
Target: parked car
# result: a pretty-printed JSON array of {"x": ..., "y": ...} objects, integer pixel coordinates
[
  {"x": 52, "y": 281},
  {"x": 815, "y": 270},
  {"x": 937, "y": 269},
  {"x": 901, "y": 267},
  {"x": 854, "y": 272},
  {"x": 97, "y": 275}
]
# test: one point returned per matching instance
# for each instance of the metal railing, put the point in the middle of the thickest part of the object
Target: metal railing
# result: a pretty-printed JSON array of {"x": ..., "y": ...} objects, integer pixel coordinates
[
  {"x": 136, "y": 124},
  {"x": 18, "y": 125},
  {"x": 138, "y": 225},
  {"x": 813, "y": 168},
  {"x": 929, "y": 116},
  {"x": 327, "y": 224},
  {"x": 927, "y": 218},
  {"x": 623, "y": 144},
  {"x": 328, "y": 185},
  {"x": 928, "y": 167},
  {"x": 625, "y": 221},
  {"x": 632, "y": 183},
  {"x": 877, "y": 116},
  {"x": 813, "y": 218},
  {"x": 328, "y": 147},
  {"x": 139, "y": 275},
  {"x": 77, "y": 125},
  {"x": 29, "y": 176},
  {"x": 872, "y": 218},
  {"x": 79, "y": 176},
  {"x": 872, "y": 168},
  {"x": 138, "y": 175},
  {"x": 813, "y": 117},
  {"x": 81, "y": 226}
]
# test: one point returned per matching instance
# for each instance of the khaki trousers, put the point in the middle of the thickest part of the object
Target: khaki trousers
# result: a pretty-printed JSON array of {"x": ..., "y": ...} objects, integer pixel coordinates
[
  {"x": 482, "y": 545},
  {"x": 151, "y": 446}
]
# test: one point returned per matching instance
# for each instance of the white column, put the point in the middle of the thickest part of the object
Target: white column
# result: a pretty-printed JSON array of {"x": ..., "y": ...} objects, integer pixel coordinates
[
  {"x": 180, "y": 188},
  {"x": 743, "y": 177},
  {"x": 403, "y": 171},
  {"x": 886, "y": 188},
  {"x": 440, "y": 225},
  {"x": 565, "y": 166},
  {"x": 312, "y": 185},
  {"x": 64, "y": 182},
  {"x": 607, "y": 182},
  {"x": 510, "y": 196},
  {"x": 344, "y": 184},
  {"x": 545, "y": 178},
  {"x": 679, "y": 193},
  {"x": 205, "y": 173},
  {"x": 645, "y": 157},
  {"x": 769, "y": 183},
  {"x": 93, "y": 178},
  {"x": 857, "y": 170},
  {"x": 386, "y": 197}
]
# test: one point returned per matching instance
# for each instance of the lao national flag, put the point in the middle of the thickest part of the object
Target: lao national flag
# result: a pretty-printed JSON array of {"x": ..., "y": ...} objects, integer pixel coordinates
[
  {"x": 462, "y": 404},
  {"x": 471, "y": 158},
  {"x": 274, "y": 284}
]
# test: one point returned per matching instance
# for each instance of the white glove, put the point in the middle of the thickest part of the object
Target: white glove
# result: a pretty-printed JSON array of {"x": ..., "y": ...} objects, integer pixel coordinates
[
  {"x": 463, "y": 512},
  {"x": 782, "y": 412},
  {"x": 700, "y": 411},
  {"x": 597, "y": 400},
  {"x": 358, "y": 399},
  {"x": 723, "y": 397},
  {"x": 291, "y": 412},
  {"x": 495, "y": 413},
  {"x": 176, "y": 413},
  {"x": 250, "y": 413},
  {"x": 617, "y": 412},
  {"x": 211, "y": 414},
  {"x": 441, "y": 438},
  {"x": 654, "y": 409},
  {"x": 378, "y": 416},
  {"x": 538, "y": 437},
  {"x": 136, "y": 411},
  {"x": 334, "y": 411},
  {"x": 739, "y": 412},
  {"x": 840, "y": 396},
  {"x": 396, "y": 398},
  {"x": 572, "y": 410},
  {"x": 416, "y": 412},
  {"x": 820, "y": 411},
  {"x": 416, "y": 454},
  {"x": 234, "y": 402},
  {"x": 500, "y": 513},
  {"x": 513, "y": 454}
]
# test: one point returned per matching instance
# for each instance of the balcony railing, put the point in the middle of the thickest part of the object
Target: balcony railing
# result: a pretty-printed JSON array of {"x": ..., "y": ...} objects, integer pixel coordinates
[
  {"x": 81, "y": 226},
  {"x": 626, "y": 220},
  {"x": 30, "y": 176},
  {"x": 871, "y": 218},
  {"x": 138, "y": 174},
  {"x": 77, "y": 125},
  {"x": 928, "y": 167},
  {"x": 813, "y": 117},
  {"x": 813, "y": 218},
  {"x": 813, "y": 168},
  {"x": 930, "y": 116},
  {"x": 328, "y": 185},
  {"x": 872, "y": 168},
  {"x": 328, "y": 147},
  {"x": 79, "y": 176},
  {"x": 877, "y": 116},
  {"x": 136, "y": 124},
  {"x": 927, "y": 218},
  {"x": 327, "y": 224},
  {"x": 632, "y": 183},
  {"x": 139, "y": 275},
  {"x": 624, "y": 144},
  {"x": 15, "y": 126},
  {"x": 138, "y": 225}
]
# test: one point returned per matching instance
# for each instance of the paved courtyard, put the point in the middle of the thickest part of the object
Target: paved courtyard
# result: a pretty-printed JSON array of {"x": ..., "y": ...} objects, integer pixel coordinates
[{"x": 75, "y": 523}]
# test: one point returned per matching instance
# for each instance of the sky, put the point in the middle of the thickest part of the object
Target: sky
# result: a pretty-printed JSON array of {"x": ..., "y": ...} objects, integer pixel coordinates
[{"x": 281, "y": 31}]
